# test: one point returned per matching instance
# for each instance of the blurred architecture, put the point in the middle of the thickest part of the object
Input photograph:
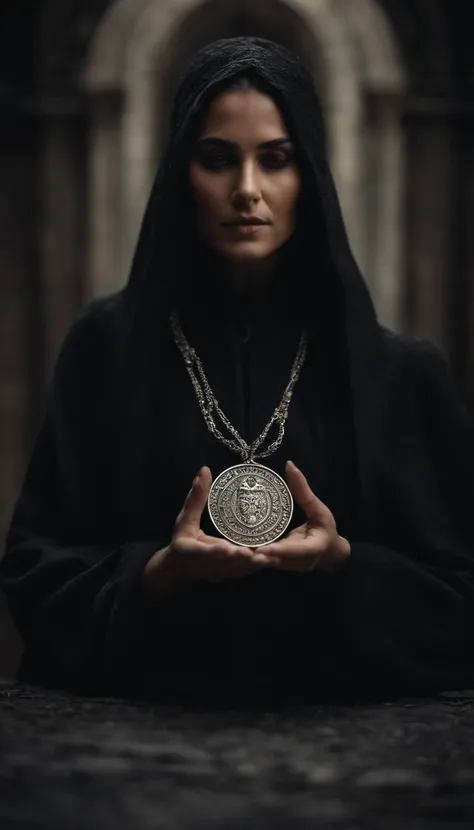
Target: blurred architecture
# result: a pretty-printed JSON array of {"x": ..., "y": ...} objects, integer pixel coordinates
[{"x": 85, "y": 90}]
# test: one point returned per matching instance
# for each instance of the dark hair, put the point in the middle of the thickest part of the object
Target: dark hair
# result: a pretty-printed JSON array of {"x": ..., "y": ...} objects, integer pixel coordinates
[{"x": 245, "y": 80}]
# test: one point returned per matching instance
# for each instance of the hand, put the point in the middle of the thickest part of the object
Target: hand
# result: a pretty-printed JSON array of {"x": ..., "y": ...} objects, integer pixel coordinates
[
  {"x": 315, "y": 545},
  {"x": 193, "y": 555}
]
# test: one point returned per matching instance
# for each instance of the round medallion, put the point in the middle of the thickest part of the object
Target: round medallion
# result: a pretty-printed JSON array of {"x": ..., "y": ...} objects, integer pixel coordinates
[{"x": 250, "y": 505}]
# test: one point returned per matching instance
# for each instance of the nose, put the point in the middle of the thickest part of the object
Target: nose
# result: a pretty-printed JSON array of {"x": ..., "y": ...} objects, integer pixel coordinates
[{"x": 247, "y": 187}]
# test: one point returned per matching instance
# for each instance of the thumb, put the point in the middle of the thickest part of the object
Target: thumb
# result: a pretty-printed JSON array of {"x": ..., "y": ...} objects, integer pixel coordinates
[
  {"x": 317, "y": 513},
  {"x": 196, "y": 500}
]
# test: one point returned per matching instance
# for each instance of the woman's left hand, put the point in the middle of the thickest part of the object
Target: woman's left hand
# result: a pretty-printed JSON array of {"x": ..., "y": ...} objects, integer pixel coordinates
[{"x": 315, "y": 545}]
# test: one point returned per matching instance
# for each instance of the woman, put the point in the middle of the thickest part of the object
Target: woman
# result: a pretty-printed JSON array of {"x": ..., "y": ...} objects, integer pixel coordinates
[{"x": 123, "y": 580}]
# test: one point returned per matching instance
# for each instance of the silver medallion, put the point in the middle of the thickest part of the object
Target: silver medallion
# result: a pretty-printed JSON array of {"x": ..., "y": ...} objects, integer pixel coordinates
[{"x": 250, "y": 505}]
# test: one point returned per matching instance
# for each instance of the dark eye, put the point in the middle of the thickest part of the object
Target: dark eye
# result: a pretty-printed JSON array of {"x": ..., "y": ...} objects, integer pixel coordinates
[
  {"x": 214, "y": 161},
  {"x": 276, "y": 161}
]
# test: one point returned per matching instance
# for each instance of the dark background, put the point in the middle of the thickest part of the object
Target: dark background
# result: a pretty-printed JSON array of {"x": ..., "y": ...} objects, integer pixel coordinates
[{"x": 66, "y": 149}]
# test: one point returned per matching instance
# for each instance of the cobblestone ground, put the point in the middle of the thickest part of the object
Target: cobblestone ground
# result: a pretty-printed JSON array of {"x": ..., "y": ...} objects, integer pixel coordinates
[{"x": 72, "y": 763}]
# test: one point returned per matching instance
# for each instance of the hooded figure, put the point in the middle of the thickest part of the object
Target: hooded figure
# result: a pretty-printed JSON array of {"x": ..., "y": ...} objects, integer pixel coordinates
[{"x": 371, "y": 591}]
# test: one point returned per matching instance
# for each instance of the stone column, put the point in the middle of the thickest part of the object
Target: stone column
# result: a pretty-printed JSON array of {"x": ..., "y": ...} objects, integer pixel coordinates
[
  {"x": 62, "y": 227},
  {"x": 430, "y": 220},
  {"x": 104, "y": 205},
  {"x": 381, "y": 200}
]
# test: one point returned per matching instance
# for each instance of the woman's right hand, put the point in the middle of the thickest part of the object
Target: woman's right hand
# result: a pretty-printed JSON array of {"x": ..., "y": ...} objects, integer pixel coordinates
[{"x": 192, "y": 555}]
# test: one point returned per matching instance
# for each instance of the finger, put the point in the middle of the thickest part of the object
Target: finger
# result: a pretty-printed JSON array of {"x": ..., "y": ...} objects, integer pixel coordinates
[
  {"x": 302, "y": 556},
  {"x": 241, "y": 568},
  {"x": 236, "y": 550},
  {"x": 235, "y": 555},
  {"x": 315, "y": 510},
  {"x": 220, "y": 560},
  {"x": 296, "y": 565},
  {"x": 212, "y": 547},
  {"x": 190, "y": 517},
  {"x": 260, "y": 558},
  {"x": 239, "y": 552},
  {"x": 296, "y": 549},
  {"x": 196, "y": 548}
]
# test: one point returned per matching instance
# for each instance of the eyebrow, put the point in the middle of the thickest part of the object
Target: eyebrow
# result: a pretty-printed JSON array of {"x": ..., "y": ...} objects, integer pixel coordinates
[{"x": 221, "y": 142}]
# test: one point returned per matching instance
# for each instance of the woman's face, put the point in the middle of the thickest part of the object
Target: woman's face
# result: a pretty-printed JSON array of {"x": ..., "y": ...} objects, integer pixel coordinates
[{"x": 243, "y": 168}]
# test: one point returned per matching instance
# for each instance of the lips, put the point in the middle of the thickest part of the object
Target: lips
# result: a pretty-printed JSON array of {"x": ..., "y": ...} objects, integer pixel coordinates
[
  {"x": 245, "y": 222},
  {"x": 246, "y": 229}
]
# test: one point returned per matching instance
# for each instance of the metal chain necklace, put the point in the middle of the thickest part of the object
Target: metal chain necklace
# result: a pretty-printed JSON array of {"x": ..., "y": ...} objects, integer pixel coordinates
[{"x": 249, "y": 504}]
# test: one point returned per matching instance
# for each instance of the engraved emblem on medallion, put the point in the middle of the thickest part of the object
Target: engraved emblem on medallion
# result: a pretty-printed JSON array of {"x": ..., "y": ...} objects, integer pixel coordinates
[
  {"x": 250, "y": 505},
  {"x": 253, "y": 503}
]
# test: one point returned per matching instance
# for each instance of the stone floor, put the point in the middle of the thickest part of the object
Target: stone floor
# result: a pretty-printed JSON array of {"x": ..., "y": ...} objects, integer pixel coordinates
[{"x": 74, "y": 763}]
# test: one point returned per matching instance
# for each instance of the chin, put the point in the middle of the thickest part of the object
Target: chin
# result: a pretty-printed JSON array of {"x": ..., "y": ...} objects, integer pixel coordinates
[{"x": 247, "y": 253}]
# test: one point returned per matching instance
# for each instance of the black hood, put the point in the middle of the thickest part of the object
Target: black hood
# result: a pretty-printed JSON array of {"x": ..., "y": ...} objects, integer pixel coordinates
[
  {"x": 160, "y": 254},
  {"x": 328, "y": 276}
]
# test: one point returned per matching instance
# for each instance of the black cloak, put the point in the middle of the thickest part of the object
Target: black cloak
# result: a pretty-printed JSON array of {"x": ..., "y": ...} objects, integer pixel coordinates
[{"x": 375, "y": 424}]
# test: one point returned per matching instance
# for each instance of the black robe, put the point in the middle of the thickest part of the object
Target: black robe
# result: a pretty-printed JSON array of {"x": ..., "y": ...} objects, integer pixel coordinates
[{"x": 375, "y": 424}]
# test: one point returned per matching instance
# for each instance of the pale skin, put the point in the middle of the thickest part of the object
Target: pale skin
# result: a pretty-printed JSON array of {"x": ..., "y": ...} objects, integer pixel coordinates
[{"x": 243, "y": 165}]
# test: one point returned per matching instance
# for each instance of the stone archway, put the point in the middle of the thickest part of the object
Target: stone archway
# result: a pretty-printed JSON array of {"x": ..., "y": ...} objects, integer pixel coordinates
[{"x": 360, "y": 80}]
